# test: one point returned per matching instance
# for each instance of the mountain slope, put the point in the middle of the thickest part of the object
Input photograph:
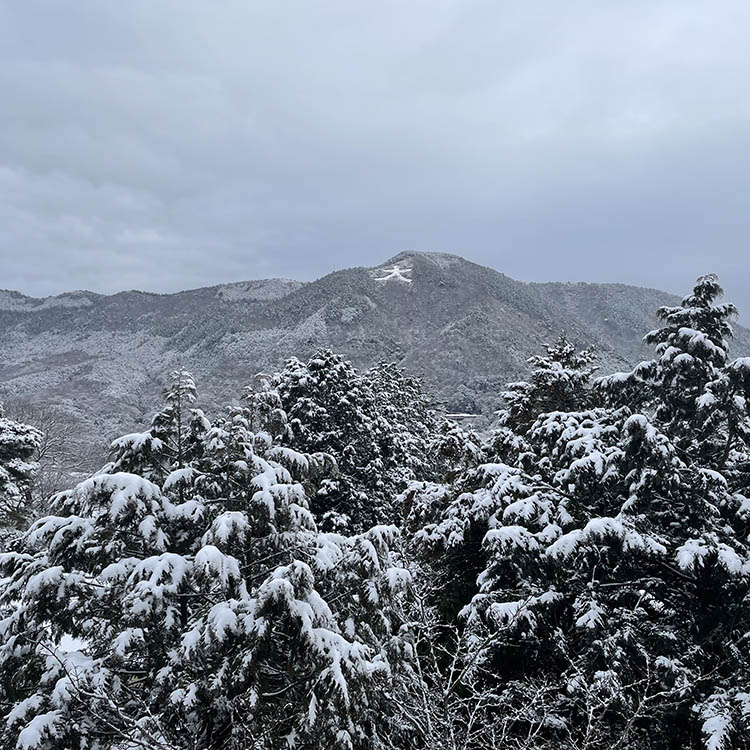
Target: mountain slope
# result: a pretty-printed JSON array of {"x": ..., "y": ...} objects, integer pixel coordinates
[{"x": 100, "y": 360}]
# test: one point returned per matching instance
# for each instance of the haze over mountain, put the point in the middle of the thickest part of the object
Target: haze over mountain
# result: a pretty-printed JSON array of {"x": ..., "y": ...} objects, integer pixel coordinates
[{"x": 467, "y": 329}]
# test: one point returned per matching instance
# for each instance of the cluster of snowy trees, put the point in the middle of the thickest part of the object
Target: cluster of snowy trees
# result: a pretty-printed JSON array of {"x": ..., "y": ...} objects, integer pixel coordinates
[
  {"x": 327, "y": 564},
  {"x": 19, "y": 444}
]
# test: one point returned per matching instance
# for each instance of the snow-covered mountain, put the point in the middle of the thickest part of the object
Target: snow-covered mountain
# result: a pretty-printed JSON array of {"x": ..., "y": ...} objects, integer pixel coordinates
[{"x": 466, "y": 328}]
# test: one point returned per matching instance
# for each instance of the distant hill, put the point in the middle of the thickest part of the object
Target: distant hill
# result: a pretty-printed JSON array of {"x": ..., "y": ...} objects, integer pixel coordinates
[{"x": 467, "y": 329}]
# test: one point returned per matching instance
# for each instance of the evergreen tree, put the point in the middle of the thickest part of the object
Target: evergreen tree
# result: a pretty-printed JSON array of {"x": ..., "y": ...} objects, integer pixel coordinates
[
  {"x": 18, "y": 445},
  {"x": 173, "y": 438},
  {"x": 197, "y": 608},
  {"x": 696, "y": 394},
  {"x": 692, "y": 347},
  {"x": 559, "y": 381},
  {"x": 455, "y": 448},
  {"x": 608, "y": 577},
  {"x": 375, "y": 426},
  {"x": 402, "y": 402}
]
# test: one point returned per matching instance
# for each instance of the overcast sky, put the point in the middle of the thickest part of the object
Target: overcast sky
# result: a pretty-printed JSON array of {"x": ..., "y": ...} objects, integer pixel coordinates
[{"x": 163, "y": 145}]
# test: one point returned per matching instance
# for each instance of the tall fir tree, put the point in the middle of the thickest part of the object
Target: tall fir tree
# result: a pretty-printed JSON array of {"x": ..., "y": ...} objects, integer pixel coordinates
[
  {"x": 374, "y": 425},
  {"x": 559, "y": 381},
  {"x": 697, "y": 395},
  {"x": 401, "y": 400},
  {"x": 172, "y": 440},
  {"x": 18, "y": 445}
]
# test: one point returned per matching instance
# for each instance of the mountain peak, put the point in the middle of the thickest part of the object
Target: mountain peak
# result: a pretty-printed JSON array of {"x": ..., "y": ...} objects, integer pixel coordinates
[{"x": 444, "y": 260}]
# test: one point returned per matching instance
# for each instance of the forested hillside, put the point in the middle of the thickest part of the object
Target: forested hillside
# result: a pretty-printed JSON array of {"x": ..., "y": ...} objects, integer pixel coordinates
[
  {"x": 327, "y": 563},
  {"x": 95, "y": 365}
]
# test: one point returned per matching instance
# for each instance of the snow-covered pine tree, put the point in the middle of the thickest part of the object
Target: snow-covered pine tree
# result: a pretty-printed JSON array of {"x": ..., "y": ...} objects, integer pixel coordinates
[
  {"x": 330, "y": 409},
  {"x": 559, "y": 381},
  {"x": 696, "y": 394},
  {"x": 401, "y": 400},
  {"x": 266, "y": 409},
  {"x": 18, "y": 446},
  {"x": 602, "y": 574},
  {"x": 375, "y": 426},
  {"x": 455, "y": 448},
  {"x": 692, "y": 347},
  {"x": 197, "y": 608},
  {"x": 173, "y": 439}
]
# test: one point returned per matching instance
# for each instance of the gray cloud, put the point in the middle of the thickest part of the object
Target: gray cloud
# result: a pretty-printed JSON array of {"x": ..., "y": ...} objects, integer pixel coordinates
[{"x": 171, "y": 144}]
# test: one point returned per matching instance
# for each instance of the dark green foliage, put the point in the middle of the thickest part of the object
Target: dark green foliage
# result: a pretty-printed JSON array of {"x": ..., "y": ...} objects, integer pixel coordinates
[
  {"x": 375, "y": 425},
  {"x": 18, "y": 446},
  {"x": 695, "y": 392},
  {"x": 559, "y": 381}
]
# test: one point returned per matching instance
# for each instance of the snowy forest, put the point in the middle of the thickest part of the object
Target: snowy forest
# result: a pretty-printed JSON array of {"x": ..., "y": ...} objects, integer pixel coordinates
[{"x": 331, "y": 564}]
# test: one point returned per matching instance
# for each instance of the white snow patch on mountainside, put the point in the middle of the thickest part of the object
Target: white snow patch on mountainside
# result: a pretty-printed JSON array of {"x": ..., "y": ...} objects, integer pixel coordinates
[{"x": 397, "y": 272}]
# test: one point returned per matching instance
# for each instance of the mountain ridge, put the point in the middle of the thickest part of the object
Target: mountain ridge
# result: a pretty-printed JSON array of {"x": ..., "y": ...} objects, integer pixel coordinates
[
  {"x": 433, "y": 256},
  {"x": 100, "y": 360}
]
